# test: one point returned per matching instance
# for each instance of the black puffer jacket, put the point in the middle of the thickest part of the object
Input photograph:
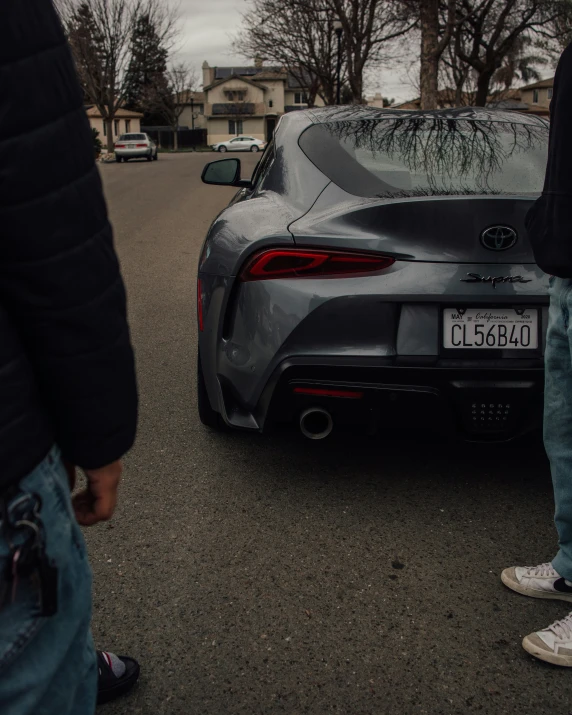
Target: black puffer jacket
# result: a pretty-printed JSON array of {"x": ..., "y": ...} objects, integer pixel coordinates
[
  {"x": 549, "y": 221},
  {"x": 66, "y": 363}
]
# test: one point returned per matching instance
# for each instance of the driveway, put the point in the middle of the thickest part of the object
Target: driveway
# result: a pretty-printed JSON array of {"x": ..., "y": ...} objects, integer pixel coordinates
[{"x": 262, "y": 575}]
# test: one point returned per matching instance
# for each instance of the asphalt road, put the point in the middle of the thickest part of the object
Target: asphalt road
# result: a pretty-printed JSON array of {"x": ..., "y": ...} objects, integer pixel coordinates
[{"x": 262, "y": 575}]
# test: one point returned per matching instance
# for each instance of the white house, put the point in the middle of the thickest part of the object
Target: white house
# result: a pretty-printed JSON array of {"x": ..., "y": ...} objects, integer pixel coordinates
[
  {"x": 249, "y": 100},
  {"x": 193, "y": 112},
  {"x": 125, "y": 121}
]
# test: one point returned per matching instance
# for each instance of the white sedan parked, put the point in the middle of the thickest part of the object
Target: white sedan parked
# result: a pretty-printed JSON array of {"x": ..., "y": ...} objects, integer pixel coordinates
[
  {"x": 135, "y": 146},
  {"x": 242, "y": 143}
]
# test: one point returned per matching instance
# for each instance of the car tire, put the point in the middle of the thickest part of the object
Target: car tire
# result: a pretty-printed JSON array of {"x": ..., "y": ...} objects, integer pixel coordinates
[
  {"x": 118, "y": 159},
  {"x": 156, "y": 157},
  {"x": 254, "y": 148},
  {"x": 150, "y": 157},
  {"x": 208, "y": 416},
  {"x": 222, "y": 148}
]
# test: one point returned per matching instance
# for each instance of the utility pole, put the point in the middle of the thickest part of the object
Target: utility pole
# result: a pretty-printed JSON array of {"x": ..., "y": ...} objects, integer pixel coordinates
[{"x": 338, "y": 29}]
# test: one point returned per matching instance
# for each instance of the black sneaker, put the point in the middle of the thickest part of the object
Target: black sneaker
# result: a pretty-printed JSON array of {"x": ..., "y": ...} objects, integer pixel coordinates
[{"x": 109, "y": 685}]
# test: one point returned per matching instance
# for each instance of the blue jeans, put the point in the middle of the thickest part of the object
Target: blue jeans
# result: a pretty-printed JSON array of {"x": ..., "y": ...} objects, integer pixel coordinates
[{"x": 48, "y": 665}]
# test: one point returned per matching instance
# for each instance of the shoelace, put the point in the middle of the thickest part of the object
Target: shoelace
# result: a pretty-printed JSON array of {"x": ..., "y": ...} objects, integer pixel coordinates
[
  {"x": 563, "y": 628},
  {"x": 542, "y": 570}
]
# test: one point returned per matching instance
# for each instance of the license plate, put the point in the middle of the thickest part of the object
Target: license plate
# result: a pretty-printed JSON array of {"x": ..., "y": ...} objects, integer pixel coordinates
[{"x": 481, "y": 329}]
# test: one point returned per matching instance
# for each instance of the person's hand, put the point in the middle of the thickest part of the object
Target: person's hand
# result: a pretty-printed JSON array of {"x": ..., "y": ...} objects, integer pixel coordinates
[
  {"x": 97, "y": 502},
  {"x": 71, "y": 470}
]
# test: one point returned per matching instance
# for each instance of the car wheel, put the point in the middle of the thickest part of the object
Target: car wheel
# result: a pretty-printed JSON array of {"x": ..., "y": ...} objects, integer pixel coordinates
[
  {"x": 222, "y": 148},
  {"x": 207, "y": 415},
  {"x": 156, "y": 157},
  {"x": 254, "y": 147},
  {"x": 150, "y": 157},
  {"x": 118, "y": 159}
]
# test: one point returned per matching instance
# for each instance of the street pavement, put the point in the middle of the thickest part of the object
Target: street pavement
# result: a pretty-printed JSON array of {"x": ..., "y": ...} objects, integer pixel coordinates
[{"x": 268, "y": 574}]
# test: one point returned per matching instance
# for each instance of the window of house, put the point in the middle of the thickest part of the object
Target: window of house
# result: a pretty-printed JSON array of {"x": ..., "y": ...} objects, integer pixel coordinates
[
  {"x": 550, "y": 91},
  {"x": 270, "y": 103},
  {"x": 116, "y": 126},
  {"x": 300, "y": 98},
  {"x": 235, "y": 126},
  {"x": 535, "y": 96},
  {"x": 104, "y": 129},
  {"x": 128, "y": 125},
  {"x": 235, "y": 95}
]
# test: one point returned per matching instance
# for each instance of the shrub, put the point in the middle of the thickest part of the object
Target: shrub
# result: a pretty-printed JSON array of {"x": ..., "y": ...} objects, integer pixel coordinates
[{"x": 97, "y": 145}]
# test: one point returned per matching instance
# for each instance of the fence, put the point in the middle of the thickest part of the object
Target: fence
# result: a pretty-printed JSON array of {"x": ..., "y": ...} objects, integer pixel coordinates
[{"x": 187, "y": 138}]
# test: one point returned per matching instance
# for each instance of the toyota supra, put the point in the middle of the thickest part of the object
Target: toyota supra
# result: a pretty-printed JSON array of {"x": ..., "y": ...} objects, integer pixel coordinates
[{"x": 375, "y": 272}]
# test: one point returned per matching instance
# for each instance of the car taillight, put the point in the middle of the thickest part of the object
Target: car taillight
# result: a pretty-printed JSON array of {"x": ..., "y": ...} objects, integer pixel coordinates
[
  {"x": 294, "y": 263},
  {"x": 327, "y": 392},
  {"x": 200, "y": 305},
  {"x": 120, "y": 146},
  {"x": 140, "y": 146}
]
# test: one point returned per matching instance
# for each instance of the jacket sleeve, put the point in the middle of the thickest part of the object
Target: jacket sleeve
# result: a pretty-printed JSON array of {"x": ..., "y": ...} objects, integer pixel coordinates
[
  {"x": 549, "y": 221},
  {"x": 59, "y": 275}
]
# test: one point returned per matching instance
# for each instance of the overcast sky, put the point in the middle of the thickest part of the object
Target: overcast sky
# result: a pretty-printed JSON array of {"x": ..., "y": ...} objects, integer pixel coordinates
[{"x": 207, "y": 29}]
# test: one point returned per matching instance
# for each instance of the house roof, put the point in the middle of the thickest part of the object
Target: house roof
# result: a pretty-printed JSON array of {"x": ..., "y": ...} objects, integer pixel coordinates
[
  {"x": 300, "y": 80},
  {"x": 226, "y": 72},
  {"x": 410, "y": 104},
  {"x": 509, "y": 99},
  {"x": 267, "y": 72},
  {"x": 218, "y": 82},
  {"x": 119, "y": 113},
  {"x": 270, "y": 76},
  {"x": 535, "y": 109},
  {"x": 544, "y": 83},
  {"x": 186, "y": 96},
  {"x": 507, "y": 103}
]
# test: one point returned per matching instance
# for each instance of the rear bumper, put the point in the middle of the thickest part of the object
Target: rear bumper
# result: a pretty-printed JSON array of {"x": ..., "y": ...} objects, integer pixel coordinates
[
  {"x": 133, "y": 153},
  {"x": 492, "y": 403}
]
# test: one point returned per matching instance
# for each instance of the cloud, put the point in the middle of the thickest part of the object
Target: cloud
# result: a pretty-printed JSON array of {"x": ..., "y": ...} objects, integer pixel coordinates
[{"x": 207, "y": 29}]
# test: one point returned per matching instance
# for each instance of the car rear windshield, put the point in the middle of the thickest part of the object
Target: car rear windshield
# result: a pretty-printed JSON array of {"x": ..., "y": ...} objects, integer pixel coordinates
[
  {"x": 429, "y": 156},
  {"x": 131, "y": 137}
]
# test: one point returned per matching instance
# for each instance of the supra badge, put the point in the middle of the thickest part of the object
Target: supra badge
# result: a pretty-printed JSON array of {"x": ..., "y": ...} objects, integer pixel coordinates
[{"x": 478, "y": 278}]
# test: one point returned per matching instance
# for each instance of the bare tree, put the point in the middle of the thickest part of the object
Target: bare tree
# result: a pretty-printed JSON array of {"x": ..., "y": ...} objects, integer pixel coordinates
[
  {"x": 369, "y": 27},
  {"x": 458, "y": 76},
  {"x": 493, "y": 40},
  {"x": 435, "y": 38},
  {"x": 169, "y": 95},
  {"x": 298, "y": 36},
  {"x": 100, "y": 33},
  {"x": 557, "y": 37}
]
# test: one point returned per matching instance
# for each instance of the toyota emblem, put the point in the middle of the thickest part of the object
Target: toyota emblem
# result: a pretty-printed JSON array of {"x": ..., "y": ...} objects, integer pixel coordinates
[{"x": 498, "y": 238}]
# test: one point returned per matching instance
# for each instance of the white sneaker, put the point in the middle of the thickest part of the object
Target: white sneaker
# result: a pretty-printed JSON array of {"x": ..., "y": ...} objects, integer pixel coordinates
[
  {"x": 537, "y": 581},
  {"x": 553, "y": 644}
]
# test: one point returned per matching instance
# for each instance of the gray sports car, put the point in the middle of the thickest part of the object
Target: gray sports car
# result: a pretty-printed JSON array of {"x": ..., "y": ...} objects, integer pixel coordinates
[{"x": 376, "y": 272}]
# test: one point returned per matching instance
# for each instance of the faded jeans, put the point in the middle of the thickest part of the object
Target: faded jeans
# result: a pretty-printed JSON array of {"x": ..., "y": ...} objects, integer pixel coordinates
[{"x": 48, "y": 665}]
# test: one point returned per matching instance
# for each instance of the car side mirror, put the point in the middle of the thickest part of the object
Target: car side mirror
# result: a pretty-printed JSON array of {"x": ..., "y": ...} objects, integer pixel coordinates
[{"x": 225, "y": 172}]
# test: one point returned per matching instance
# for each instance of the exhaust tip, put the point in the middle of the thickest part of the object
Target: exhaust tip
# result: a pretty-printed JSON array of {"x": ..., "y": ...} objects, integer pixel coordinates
[{"x": 316, "y": 423}]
